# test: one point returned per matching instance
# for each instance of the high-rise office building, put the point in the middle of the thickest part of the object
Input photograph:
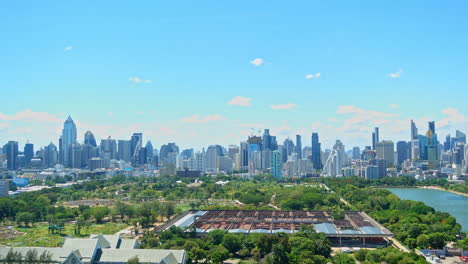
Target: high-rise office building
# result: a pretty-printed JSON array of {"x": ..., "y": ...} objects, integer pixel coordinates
[
  {"x": 89, "y": 139},
  {"x": 50, "y": 156},
  {"x": 149, "y": 152},
  {"x": 68, "y": 139},
  {"x": 335, "y": 161},
  {"x": 375, "y": 137},
  {"x": 136, "y": 145},
  {"x": 316, "y": 152},
  {"x": 266, "y": 144},
  {"x": 11, "y": 151},
  {"x": 402, "y": 152},
  {"x": 461, "y": 136},
  {"x": 166, "y": 151},
  {"x": 76, "y": 156},
  {"x": 414, "y": 131},
  {"x": 299, "y": 146},
  {"x": 432, "y": 126},
  {"x": 244, "y": 155},
  {"x": 28, "y": 152},
  {"x": 232, "y": 151},
  {"x": 276, "y": 164},
  {"x": 288, "y": 148},
  {"x": 124, "y": 150},
  {"x": 356, "y": 153},
  {"x": 447, "y": 143},
  {"x": 385, "y": 150},
  {"x": 212, "y": 154},
  {"x": 108, "y": 147}
]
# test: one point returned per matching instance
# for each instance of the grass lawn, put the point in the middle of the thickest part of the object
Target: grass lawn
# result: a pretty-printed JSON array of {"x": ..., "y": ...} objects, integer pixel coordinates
[{"x": 39, "y": 235}]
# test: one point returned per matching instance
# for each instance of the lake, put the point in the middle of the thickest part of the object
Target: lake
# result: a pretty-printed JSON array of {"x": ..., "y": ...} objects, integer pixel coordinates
[{"x": 454, "y": 204}]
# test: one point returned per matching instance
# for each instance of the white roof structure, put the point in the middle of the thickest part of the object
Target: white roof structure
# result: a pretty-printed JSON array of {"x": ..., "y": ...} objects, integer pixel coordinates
[{"x": 101, "y": 249}]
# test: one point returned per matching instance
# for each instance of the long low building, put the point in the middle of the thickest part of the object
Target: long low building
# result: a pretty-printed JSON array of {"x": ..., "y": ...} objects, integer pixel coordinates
[
  {"x": 97, "y": 249},
  {"x": 355, "y": 227}
]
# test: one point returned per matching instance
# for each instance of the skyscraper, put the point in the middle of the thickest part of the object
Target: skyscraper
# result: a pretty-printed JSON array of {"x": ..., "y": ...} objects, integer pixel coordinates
[
  {"x": 288, "y": 149},
  {"x": 402, "y": 152},
  {"x": 299, "y": 146},
  {"x": 124, "y": 150},
  {"x": 244, "y": 155},
  {"x": 266, "y": 139},
  {"x": 28, "y": 152},
  {"x": 414, "y": 131},
  {"x": 432, "y": 126},
  {"x": 89, "y": 139},
  {"x": 276, "y": 164},
  {"x": 50, "y": 156},
  {"x": 149, "y": 152},
  {"x": 385, "y": 151},
  {"x": 356, "y": 153},
  {"x": 108, "y": 148},
  {"x": 212, "y": 154},
  {"x": 136, "y": 145},
  {"x": 375, "y": 137},
  {"x": 68, "y": 139},
  {"x": 11, "y": 150},
  {"x": 316, "y": 152},
  {"x": 460, "y": 135}
]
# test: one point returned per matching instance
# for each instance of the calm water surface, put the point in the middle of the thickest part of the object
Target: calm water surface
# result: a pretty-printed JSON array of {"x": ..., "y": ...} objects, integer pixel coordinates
[{"x": 456, "y": 205}]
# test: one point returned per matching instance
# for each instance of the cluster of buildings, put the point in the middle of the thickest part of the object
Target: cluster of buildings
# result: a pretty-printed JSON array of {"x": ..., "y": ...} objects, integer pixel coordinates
[{"x": 422, "y": 155}]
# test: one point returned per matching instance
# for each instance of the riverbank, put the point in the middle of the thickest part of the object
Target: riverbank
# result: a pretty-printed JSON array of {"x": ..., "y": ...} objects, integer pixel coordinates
[{"x": 442, "y": 189}]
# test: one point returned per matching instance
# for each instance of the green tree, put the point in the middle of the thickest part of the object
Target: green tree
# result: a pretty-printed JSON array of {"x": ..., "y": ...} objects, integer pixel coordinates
[
  {"x": 218, "y": 255},
  {"x": 232, "y": 242},
  {"x": 99, "y": 213},
  {"x": 343, "y": 258},
  {"x": 133, "y": 260}
]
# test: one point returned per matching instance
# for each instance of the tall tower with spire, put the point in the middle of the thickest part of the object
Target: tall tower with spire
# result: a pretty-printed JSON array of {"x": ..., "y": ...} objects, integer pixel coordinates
[{"x": 68, "y": 139}]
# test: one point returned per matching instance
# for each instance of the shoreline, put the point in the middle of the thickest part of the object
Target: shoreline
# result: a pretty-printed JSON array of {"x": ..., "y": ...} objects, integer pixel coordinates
[
  {"x": 442, "y": 189},
  {"x": 423, "y": 187}
]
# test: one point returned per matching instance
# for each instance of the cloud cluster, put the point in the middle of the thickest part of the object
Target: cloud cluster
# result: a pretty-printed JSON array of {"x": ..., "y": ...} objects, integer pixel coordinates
[
  {"x": 284, "y": 106},
  {"x": 139, "y": 80},
  {"x": 257, "y": 62},
  {"x": 199, "y": 119},
  {"x": 311, "y": 76},
  {"x": 240, "y": 101},
  {"x": 30, "y": 116},
  {"x": 395, "y": 75}
]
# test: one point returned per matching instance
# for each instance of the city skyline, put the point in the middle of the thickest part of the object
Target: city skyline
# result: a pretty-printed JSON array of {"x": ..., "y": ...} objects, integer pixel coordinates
[
  {"x": 445, "y": 126},
  {"x": 206, "y": 73}
]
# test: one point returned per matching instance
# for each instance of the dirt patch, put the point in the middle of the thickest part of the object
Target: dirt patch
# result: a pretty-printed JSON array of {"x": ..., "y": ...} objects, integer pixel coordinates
[{"x": 9, "y": 232}]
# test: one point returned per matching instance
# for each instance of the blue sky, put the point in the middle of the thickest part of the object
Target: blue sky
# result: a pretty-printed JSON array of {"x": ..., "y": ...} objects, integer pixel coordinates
[{"x": 170, "y": 69}]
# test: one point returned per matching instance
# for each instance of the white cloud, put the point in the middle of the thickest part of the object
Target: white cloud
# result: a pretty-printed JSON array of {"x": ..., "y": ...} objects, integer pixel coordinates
[
  {"x": 453, "y": 119},
  {"x": 284, "y": 106},
  {"x": 395, "y": 75},
  {"x": 394, "y": 106},
  {"x": 316, "y": 124},
  {"x": 311, "y": 76},
  {"x": 283, "y": 130},
  {"x": 110, "y": 113},
  {"x": 198, "y": 119},
  {"x": 240, "y": 101},
  {"x": 139, "y": 80},
  {"x": 257, "y": 62},
  {"x": 68, "y": 48},
  {"x": 28, "y": 115}
]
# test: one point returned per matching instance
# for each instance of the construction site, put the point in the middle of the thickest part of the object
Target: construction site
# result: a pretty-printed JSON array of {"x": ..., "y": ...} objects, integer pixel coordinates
[{"x": 354, "y": 229}]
